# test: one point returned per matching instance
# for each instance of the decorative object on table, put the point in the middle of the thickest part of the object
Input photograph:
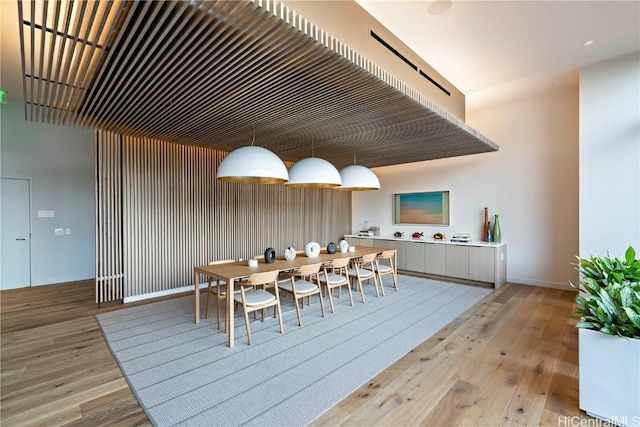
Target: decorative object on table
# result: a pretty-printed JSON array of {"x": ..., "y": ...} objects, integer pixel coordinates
[
  {"x": 365, "y": 233},
  {"x": 484, "y": 224},
  {"x": 417, "y": 235},
  {"x": 398, "y": 234},
  {"x": 312, "y": 249},
  {"x": 461, "y": 237},
  {"x": 332, "y": 248},
  {"x": 608, "y": 305},
  {"x": 269, "y": 255},
  {"x": 290, "y": 253},
  {"x": 497, "y": 232},
  {"x": 488, "y": 237},
  {"x": 253, "y": 263},
  {"x": 376, "y": 230},
  {"x": 352, "y": 248},
  {"x": 440, "y": 236},
  {"x": 431, "y": 208},
  {"x": 344, "y": 246}
]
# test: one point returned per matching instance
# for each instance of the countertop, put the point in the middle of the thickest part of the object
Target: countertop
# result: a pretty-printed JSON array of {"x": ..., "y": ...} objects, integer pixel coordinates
[{"x": 427, "y": 240}]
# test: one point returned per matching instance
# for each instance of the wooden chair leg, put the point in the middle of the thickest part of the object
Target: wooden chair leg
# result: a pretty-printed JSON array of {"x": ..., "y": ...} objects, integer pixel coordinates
[
  {"x": 375, "y": 283},
  {"x": 218, "y": 305},
  {"x": 297, "y": 306},
  {"x": 361, "y": 290},
  {"x": 351, "y": 295},
  {"x": 279, "y": 317},
  {"x": 330, "y": 292},
  {"x": 321, "y": 301},
  {"x": 246, "y": 321},
  {"x": 206, "y": 315}
]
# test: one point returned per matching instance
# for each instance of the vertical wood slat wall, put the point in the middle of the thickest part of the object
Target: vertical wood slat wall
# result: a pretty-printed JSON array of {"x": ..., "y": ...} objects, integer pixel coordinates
[
  {"x": 161, "y": 211},
  {"x": 109, "y": 267}
]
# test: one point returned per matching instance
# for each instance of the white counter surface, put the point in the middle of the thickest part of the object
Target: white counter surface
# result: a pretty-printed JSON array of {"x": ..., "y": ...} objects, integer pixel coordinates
[{"x": 426, "y": 240}]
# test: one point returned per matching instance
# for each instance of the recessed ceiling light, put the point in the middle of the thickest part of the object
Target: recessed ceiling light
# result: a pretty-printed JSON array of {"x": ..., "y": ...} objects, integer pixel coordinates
[{"x": 588, "y": 43}]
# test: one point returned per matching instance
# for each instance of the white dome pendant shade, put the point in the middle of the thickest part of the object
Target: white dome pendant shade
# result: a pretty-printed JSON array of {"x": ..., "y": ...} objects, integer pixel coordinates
[
  {"x": 252, "y": 165},
  {"x": 358, "y": 178},
  {"x": 313, "y": 172}
]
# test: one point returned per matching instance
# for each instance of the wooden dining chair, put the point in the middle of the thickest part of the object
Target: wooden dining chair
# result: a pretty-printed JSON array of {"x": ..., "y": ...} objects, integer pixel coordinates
[
  {"x": 219, "y": 289},
  {"x": 259, "y": 299},
  {"x": 302, "y": 284},
  {"x": 335, "y": 276},
  {"x": 384, "y": 269},
  {"x": 363, "y": 269}
]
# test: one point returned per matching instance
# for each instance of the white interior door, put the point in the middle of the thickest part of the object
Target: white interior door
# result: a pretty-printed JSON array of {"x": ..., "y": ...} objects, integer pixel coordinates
[{"x": 16, "y": 237}]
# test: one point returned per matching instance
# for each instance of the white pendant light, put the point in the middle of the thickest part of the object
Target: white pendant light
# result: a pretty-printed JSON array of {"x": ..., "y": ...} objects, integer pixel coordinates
[
  {"x": 358, "y": 178},
  {"x": 313, "y": 172},
  {"x": 252, "y": 165}
]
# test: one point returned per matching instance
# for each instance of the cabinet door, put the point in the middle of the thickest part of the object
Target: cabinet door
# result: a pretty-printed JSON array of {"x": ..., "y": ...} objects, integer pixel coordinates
[
  {"x": 435, "y": 259},
  {"x": 416, "y": 258},
  {"x": 482, "y": 263},
  {"x": 400, "y": 247},
  {"x": 457, "y": 261},
  {"x": 358, "y": 241}
]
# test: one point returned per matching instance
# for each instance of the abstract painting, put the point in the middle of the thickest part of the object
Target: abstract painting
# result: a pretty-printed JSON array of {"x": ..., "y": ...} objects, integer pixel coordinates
[{"x": 430, "y": 208}]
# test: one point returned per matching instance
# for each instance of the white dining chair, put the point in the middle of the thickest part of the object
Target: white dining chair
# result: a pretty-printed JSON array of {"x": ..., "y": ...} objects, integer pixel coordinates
[
  {"x": 260, "y": 299},
  {"x": 302, "y": 283}
]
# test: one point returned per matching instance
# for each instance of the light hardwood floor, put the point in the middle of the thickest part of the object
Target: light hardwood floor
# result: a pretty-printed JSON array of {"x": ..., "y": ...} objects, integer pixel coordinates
[{"x": 509, "y": 360}]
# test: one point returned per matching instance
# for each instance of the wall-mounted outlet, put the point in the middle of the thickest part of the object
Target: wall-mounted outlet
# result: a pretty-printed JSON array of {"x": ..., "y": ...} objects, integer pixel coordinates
[
  {"x": 67, "y": 231},
  {"x": 59, "y": 231}
]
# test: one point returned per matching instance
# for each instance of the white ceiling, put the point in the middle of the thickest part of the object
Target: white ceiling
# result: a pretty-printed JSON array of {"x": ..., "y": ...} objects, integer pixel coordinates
[{"x": 497, "y": 50}]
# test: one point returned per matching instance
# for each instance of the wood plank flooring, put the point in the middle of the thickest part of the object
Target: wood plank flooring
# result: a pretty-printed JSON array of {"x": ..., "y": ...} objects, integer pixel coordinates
[{"x": 509, "y": 360}]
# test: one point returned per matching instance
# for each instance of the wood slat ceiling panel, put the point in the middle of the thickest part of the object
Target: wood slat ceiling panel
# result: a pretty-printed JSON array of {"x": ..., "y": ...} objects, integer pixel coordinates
[{"x": 208, "y": 73}]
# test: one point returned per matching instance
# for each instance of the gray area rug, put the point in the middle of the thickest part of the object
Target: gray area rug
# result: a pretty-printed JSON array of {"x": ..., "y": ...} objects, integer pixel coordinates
[{"x": 185, "y": 374}]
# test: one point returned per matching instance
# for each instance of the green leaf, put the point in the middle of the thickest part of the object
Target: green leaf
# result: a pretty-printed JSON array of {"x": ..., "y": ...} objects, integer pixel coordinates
[
  {"x": 630, "y": 255},
  {"x": 588, "y": 325},
  {"x": 608, "y": 304},
  {"x": 609, "y": 294},
  {"x": 626, "y": 297},
  {"x": 634, "y": 316}
]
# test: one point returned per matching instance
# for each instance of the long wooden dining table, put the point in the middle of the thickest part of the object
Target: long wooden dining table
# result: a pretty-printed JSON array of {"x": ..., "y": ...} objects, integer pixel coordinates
[{"x": 233, "y": 272}]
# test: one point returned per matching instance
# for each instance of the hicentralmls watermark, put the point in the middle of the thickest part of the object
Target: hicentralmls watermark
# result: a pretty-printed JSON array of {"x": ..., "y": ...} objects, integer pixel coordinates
[{"x": 576, "y": 421}]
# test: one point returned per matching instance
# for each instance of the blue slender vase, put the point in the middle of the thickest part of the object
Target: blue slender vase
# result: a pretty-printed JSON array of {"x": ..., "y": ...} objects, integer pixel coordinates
[{"x": 488, "y": 237}]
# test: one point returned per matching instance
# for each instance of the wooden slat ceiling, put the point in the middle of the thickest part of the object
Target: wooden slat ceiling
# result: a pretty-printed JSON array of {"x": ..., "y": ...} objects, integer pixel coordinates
[{"x": 209, "y": 73}]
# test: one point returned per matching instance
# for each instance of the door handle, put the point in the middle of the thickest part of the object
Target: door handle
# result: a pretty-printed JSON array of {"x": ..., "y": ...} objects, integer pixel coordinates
[{"x": 21, "y": 238}]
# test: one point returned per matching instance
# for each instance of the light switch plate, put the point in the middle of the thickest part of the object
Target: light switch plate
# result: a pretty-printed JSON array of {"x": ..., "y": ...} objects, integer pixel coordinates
[
  {"x": 46, "y": 214},
  {"x": 59, "y": 231}
]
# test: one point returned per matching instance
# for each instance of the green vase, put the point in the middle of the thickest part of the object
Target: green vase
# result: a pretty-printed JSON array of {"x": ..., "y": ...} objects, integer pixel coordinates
[{"x": 497, "y": 233}]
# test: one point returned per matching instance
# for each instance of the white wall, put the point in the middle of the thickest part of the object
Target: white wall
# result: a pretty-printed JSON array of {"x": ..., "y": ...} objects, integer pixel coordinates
[
  {"x": 532, "y": 183},
  {"x": 610, "y": 156},
  {"x": 59, "y": 161}
]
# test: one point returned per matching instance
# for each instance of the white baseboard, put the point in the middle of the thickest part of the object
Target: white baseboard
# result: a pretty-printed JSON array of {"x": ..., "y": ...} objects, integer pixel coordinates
[
  {"x": 543, "y": 284},
  {"x": 163, "y": 293}
]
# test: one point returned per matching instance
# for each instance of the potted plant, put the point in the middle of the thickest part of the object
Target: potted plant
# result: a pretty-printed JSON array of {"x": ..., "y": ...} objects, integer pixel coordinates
[{"x": 608, "y": 305}]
